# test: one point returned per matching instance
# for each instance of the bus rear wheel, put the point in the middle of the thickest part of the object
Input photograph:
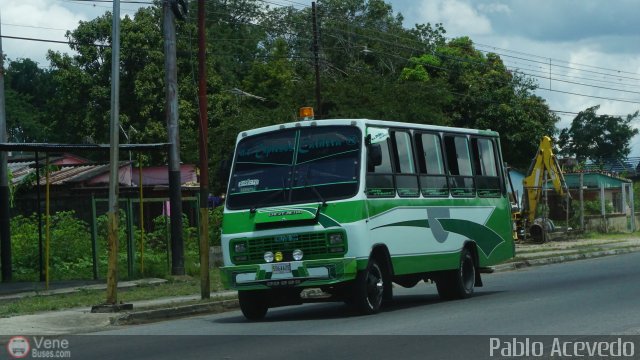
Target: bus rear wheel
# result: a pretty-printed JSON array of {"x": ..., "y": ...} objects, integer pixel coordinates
[
  {"x": 368, "y": 289},
  {"x": 459, "y": 283},
  {"x": 254, "y": 304}
]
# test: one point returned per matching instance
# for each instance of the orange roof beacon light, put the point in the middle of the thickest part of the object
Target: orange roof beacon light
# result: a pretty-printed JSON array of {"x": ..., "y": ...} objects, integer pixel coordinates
[{"x": 305, "y": 113}]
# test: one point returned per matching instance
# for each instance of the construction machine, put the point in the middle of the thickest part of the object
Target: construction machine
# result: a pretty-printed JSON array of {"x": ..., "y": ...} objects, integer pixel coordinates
[{"x": 544, "y": 172}]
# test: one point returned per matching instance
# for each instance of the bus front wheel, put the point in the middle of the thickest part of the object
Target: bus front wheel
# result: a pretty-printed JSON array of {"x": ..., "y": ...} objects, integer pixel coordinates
[
  {"x": 253, "y": 304},
  {"x": 459, "y": 283},
  {"x": 369, "y": 289}
]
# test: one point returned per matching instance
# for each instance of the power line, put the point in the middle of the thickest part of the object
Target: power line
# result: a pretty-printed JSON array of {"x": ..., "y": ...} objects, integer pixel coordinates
[
  {"x": 557, "y": 60},
  {"x": 415, "y": 41},
  {"x": 110, "y": 1},
  {"x": 51, "y": 41},
  {"x": 524, "y": 73},
  {"x": 93, "y": 4},
  {"x": 479, "y": 44},
  {"x": 591, "y": 96},
  {"x": 548, "y": 89},
  {"x": 32, "y": 26}
]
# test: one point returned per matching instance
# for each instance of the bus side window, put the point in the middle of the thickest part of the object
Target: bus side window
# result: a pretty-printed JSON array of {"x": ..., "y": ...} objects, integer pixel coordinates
[
  {"x": 433, "y": 180},
  {"x": 461, "y": 180},
  {"x": 486, "y": 171},
  {"x": 406, "y": 176},
  {"x": 380, "y": 176}
]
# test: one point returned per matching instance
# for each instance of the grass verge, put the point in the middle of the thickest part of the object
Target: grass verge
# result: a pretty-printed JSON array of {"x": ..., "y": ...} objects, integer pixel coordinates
[{"x": 182, "y": 286}]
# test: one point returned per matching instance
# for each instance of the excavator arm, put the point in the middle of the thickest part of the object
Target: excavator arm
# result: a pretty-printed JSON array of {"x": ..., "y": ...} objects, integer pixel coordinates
[{"x": 544, "y": 167}]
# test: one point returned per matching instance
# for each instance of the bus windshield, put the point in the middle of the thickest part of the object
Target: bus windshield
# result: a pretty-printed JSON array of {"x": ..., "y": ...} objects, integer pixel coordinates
[{"x": 294, "y": 166}]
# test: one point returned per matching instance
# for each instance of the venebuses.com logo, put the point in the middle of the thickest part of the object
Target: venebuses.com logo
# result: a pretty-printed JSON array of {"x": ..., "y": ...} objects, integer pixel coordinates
[
  {"x": 39, "y": 347},
  {"x": 18, "y": 347}
]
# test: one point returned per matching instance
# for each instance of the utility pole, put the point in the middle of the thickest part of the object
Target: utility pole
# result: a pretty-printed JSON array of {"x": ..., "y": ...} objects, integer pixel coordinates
[
  {"x": 205, "y": 286},
  {"x": 112, "y": 304},
  {"x": 114, "y": 139},
  {"x": 5, "y": 230},
  {"x": 171, "y": 110},
  {"x": 316, "y": 61}
]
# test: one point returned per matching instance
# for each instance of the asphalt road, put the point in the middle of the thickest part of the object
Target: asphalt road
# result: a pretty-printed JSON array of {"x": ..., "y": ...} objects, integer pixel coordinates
[{"x": 581, "y": 298}]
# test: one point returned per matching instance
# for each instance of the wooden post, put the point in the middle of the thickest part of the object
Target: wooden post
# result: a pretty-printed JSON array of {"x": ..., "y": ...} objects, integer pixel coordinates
[{"x": 205, "y": 283}]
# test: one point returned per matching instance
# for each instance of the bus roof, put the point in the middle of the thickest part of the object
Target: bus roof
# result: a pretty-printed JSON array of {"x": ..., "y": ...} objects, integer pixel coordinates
[{"x": 362, "y": 123}]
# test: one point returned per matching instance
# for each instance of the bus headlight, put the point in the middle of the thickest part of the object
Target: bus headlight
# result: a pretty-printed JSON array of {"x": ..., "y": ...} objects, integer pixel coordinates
[
  {"x": 297, "y": 254},
  {"x": 240, "y": 247},
  {"x": 268, "y": 256},
  {"x": 335, "y": 239}
]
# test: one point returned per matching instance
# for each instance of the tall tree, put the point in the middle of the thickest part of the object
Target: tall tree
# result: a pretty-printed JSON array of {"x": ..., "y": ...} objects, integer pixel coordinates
[
  {"x": 370, "y": 66},
  {"x": 598, "y": 137},
  {"x": 483, "y": 94},
  {"x": 27, "y": 89}
]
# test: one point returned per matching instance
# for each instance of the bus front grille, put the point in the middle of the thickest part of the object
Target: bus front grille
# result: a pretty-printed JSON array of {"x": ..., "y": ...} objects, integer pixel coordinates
[{"x": 314, "y": 245}]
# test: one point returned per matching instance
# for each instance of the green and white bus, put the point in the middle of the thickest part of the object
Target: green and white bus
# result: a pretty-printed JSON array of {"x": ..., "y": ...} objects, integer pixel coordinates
[{"x": 350, "y": 206}]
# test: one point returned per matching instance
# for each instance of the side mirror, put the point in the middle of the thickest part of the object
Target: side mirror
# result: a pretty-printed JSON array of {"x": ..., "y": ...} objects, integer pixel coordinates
[{"x": 374, "y": 156}]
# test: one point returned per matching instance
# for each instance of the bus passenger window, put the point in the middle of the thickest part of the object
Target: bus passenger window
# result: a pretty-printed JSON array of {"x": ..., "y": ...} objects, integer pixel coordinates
[
  {"x": 486, "y": 172},
  {"x": 406, "y": 178},
  {"x": 433, "y": 181},
  {"x": 379, "y": 182},
  {"x": 459, "y": 164}
]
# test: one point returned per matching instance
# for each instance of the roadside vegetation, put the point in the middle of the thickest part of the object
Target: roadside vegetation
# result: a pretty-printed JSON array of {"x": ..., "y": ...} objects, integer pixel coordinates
[
  {"x": 70, "y": 250},
  {"x": 182, "y": 286}
]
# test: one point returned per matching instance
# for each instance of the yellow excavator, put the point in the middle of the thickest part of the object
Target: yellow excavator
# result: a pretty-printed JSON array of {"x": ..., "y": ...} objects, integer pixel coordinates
[{"x": 544, "y": 170}]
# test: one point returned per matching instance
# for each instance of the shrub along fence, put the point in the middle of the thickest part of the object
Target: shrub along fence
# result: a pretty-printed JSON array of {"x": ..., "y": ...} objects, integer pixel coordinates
[{"x": 78, "y": 250}]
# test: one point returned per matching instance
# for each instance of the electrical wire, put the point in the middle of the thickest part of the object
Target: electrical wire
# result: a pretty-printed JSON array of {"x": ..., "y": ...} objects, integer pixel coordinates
[{"x": 351, "y": 32}]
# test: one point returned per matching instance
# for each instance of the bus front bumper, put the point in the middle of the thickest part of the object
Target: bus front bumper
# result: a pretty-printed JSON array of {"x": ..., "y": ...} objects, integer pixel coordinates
[{"x": 305, "y": 273}]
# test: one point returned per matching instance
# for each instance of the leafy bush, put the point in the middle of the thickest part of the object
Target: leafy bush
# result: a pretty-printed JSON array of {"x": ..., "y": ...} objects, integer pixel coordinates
[
  {"x": 24, "y": 240},
  {"x": 592, "y": 207},
  {"x": 70, "y": 247},
  {"x": 71, "y": 252}
]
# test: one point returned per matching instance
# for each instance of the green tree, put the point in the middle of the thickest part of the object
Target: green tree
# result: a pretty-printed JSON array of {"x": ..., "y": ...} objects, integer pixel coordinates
[
  {"x": 370, "y": 66},
  {"x": 483, "y": 94},
  {"x": 598, "y": 137},
  {"x": 27, "y": 89}
]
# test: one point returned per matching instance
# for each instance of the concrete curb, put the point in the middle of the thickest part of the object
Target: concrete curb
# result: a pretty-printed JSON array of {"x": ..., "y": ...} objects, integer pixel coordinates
[
  {"x": 560, "y": 259},
  {"x": 145, "y": 316}
]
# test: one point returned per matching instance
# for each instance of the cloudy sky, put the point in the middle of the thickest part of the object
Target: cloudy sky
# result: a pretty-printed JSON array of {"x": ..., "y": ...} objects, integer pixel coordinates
[
  {"x": 581, "y": 52},
  {"x": 586, "y": 47}
]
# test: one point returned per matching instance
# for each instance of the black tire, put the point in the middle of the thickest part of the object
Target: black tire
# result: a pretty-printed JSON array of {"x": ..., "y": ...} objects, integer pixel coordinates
[
  {"x": 368, "y": 289},
  {"x": 459, "y": 283},
  {"x": 254, "y": 304}
]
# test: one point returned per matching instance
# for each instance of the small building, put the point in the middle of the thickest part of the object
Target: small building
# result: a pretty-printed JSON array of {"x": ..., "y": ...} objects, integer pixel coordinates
[
  {"x": 79, "y": 184},
  {"x": 617, "y": 191},
  {"x": 607, "y": 201}
]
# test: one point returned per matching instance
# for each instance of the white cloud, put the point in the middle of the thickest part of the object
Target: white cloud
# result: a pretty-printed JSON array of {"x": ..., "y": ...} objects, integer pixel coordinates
[
  {"x": 496, "y": 8},
  {"x": 39, "y": 19},
  {"x": 458, "y": 17},
  {"x": 45, "y": 19}
]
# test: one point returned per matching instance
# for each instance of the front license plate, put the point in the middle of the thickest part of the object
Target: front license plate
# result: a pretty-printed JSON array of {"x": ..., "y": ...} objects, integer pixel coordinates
[{"x": 283, "y": 268}]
